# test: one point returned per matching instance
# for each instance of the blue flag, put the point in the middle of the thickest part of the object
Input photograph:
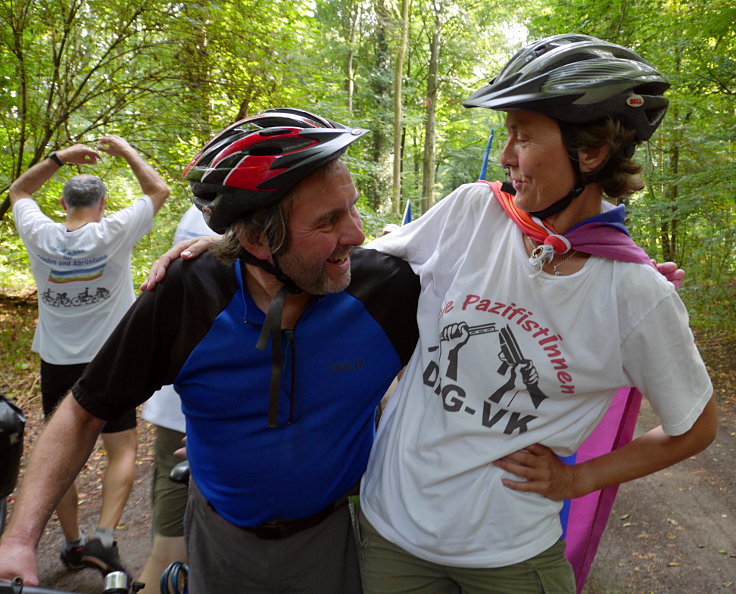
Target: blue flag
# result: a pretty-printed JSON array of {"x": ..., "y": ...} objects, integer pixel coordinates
[{"x": 407, "y": 214}]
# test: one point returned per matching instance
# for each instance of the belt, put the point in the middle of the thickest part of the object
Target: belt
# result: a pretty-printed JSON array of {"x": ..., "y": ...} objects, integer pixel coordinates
[{"x": 280, "y": 528}]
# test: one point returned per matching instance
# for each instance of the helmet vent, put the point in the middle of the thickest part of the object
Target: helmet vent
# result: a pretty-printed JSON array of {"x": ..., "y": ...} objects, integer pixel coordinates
[{"x": 280, "y": 146}]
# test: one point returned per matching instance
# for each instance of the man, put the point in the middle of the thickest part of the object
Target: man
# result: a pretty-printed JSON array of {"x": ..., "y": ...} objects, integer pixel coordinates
[
  {"x": 169, "y": 498},
  {"x": 280, "y": 356},
  {"x": 82, "y": 272}
]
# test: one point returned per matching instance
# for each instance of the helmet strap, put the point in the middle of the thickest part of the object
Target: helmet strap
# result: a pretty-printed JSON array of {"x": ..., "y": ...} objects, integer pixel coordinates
[
  {"x": 565, "y": 201},
  {"x": 568, "y": 139},
  {"x": 272, "y": 328}
]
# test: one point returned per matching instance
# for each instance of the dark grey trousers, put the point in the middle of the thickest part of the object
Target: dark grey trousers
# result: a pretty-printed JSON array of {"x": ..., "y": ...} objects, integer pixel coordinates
[{"x": 224, "y": 558}]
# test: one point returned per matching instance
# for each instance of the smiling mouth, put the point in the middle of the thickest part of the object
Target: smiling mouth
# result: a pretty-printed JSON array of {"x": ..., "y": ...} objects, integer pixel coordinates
[{"x": 340, "y": 260}]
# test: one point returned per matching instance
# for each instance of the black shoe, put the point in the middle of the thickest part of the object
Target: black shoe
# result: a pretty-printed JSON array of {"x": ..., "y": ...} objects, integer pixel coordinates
[
  {"x": 106, "y": 559},
  {"x": 72, "y": 556}
]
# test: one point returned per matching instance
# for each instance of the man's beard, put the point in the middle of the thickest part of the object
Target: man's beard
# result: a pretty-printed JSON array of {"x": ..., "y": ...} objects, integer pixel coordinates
[{"x": 312, "y": 277}]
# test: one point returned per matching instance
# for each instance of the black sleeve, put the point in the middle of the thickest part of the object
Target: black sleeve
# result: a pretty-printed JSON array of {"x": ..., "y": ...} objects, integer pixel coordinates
[
  {"x": 155, "y": 337},
  {"x": 389, "y": 290}
]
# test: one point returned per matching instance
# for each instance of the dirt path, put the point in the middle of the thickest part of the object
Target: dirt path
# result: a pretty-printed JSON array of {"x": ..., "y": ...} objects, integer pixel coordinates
[
  {"x": 674, "y": 531},
  {"x": 133, "y": 533}
]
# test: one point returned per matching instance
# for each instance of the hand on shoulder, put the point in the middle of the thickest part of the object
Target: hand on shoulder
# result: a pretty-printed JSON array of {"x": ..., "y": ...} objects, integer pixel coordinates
[
  {"x": 671, "y": 272},
  {"x": 189, "y": 249}
]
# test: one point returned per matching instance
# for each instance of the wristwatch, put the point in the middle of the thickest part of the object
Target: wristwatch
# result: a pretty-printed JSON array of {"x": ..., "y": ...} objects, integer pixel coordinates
[{"x": 55, "y": 158}]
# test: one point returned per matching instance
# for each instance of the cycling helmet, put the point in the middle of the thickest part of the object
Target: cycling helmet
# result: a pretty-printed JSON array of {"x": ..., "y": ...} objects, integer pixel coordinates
[
  {"x": 12, "y": 424},
  {"x": 254, "y": 162},
  {"x": 578, "y": 79}
]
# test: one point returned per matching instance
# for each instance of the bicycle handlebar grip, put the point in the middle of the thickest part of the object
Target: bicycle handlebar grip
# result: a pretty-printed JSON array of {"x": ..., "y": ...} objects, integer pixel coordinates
[
  {"x": 17, "y": 587},
  {"x": 116, "y": 582}
]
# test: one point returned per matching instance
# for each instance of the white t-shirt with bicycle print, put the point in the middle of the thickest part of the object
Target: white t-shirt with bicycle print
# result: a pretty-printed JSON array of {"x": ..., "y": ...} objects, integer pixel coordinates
[{"x": 83, "y": 277}]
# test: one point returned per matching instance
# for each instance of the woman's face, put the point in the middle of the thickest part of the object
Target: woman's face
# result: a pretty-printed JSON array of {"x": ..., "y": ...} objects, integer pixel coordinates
[{"x": 537, "y": 162}]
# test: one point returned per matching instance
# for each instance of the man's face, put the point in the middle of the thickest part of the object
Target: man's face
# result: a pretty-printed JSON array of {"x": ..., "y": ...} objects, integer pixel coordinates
[{"x": 324, "y": 226}]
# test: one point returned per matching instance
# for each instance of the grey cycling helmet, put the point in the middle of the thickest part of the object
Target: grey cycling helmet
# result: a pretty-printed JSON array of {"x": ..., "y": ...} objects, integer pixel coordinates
[
  {"x": 578, "y": 79},
  {"x": 254, "y": 162}
]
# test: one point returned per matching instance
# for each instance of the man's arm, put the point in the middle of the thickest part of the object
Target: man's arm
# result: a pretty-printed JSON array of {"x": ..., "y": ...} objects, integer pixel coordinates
[
  {"x": 32, "y": 180},
  {"x": 150, "y": 181},
  {"x": 64, "y": 446}
]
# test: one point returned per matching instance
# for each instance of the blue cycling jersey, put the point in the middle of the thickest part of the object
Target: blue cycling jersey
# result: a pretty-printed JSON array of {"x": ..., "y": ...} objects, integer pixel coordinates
[{"x": 199, "y": 330}]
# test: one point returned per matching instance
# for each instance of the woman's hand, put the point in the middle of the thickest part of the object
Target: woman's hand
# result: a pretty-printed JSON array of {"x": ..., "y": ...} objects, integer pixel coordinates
[
  {"x": 541, "y": 472},
  {"x": 187, "y": 250}
]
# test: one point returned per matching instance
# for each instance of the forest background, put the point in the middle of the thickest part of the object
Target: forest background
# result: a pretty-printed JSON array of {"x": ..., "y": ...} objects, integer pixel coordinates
[{"x": 166, "y": 75}]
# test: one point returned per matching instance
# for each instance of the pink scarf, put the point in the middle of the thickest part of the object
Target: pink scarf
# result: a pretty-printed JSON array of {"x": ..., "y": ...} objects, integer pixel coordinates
[{"x": 602, "y": 235}]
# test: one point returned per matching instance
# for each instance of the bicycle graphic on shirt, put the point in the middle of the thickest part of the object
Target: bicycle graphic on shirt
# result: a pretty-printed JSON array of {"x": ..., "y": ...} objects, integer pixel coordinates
[{"x": 62, "y": 299}]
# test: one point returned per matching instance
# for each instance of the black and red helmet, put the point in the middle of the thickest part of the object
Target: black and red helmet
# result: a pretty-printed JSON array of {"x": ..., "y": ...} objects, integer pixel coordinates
[
  {"x": 578, "y": 79},
  {"x": 254, "y": 162}
]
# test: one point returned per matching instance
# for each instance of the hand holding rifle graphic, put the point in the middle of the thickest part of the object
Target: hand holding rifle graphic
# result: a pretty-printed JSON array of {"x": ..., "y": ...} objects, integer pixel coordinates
[{"x": 511, "y": 359}]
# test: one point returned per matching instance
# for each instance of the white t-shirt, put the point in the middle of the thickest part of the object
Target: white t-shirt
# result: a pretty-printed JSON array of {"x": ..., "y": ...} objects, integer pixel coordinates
[
  {"x": 83, "y": 277},
  {"x": 505, "y": 361},
  {"x": 163, "y": 408}
]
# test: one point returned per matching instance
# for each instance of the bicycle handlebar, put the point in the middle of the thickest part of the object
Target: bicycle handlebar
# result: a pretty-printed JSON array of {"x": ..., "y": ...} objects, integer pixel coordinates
[
  {"x": 116, "y": 582},
  {"x": 17, "y": 587}
]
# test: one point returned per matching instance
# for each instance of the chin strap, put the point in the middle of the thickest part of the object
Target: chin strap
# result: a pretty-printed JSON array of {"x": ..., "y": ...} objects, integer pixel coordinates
[
  {"x": 272, "y": 328},
  {"x": 565, "y": 201},
  {"x": 562, "y": 203}
]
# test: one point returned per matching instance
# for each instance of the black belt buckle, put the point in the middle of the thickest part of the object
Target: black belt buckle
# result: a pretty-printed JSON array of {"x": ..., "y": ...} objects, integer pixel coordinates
[
  {"x": 280, "y": 528},
  {"x": 274, "y": 529}
]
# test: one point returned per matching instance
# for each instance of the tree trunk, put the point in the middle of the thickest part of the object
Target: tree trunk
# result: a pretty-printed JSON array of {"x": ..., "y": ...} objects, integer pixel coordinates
[
  {"x": 349, "y": 70},
  {"x": 398, "y": 111},
  {"x": 430, "y": 104}
]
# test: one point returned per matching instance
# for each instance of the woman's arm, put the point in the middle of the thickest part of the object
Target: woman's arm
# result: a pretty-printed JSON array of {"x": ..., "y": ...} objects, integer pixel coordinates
[{"x": 544, "y": 473}]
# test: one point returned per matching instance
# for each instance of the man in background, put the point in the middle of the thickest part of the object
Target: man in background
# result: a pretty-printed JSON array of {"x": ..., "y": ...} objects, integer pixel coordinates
[{"x": 82, "y": 270}]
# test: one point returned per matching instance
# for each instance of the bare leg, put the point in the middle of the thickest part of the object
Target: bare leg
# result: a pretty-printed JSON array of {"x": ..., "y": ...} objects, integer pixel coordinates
[
  {"x": 165, "y": 550},
  {"x": 66, "y": 511},
  {"x": 119, "y": 476}
]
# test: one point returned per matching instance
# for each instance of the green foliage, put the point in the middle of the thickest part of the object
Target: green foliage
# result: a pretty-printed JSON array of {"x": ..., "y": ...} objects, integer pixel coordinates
[
  {"x": 687, "y": 210},
  {"x": 168, "y": 75}
]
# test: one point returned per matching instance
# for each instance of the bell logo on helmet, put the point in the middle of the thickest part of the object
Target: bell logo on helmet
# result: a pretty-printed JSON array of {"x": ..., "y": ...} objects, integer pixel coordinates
[{"x": 635, "y": 101}]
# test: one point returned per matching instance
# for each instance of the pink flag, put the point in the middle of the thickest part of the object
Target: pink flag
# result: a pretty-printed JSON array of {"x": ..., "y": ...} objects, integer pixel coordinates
[{"x": 584, "y": 519}]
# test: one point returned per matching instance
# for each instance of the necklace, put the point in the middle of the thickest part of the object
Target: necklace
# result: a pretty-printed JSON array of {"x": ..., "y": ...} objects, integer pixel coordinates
[{"x": 546, "y": 260}]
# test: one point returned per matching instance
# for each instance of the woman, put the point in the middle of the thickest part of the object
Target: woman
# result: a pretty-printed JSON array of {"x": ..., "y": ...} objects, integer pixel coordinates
[{"x": 535, "y": 309}]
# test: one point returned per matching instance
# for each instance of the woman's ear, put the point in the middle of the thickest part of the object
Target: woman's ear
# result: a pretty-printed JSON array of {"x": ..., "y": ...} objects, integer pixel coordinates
[{"x": 592, "y": 158}]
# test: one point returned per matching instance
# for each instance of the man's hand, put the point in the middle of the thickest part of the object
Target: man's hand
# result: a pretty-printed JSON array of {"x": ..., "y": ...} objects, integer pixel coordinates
[
  {"x": 540, "y": 471},
  {"x": 187, "y": 250},
  {"x": 18, "y": 560},
  {"x": 32, "y": 180},
  {"x": 79, "y": 154},
  {"x": 115, "y": 145},
  {"x": 671, "y": 272}
]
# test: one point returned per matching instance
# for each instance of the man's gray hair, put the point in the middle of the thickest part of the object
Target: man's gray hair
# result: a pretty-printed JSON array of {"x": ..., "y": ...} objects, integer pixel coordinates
[{"x": 83, "y": 190}]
